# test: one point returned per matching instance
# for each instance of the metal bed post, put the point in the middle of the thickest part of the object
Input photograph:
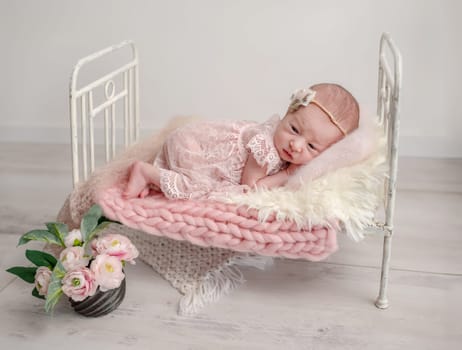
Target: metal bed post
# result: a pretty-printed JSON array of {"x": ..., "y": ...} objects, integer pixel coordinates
[
  {"x": 389, "y": 86},
  {"x": 84, "y": 97}
]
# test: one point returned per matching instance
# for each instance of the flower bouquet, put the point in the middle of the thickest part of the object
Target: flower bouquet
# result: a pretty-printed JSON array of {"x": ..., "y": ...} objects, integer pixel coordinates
[{"x": 85, "y": 266}]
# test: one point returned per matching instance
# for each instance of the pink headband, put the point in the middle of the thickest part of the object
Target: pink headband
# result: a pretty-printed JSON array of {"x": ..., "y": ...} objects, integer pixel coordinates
[{"x": 304, "y": 97}]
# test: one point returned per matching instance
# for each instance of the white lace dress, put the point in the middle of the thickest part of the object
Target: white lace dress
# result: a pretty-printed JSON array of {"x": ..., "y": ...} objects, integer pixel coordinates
[{"x": 203, "y": 158}]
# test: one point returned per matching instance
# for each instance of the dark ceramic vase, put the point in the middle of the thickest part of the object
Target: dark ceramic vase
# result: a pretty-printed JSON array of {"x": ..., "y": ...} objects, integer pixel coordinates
[{"x": 101, "y": 303}]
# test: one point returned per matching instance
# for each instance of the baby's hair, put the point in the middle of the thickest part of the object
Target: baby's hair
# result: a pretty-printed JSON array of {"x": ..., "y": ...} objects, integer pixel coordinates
[{"x": 340, "y": 103}]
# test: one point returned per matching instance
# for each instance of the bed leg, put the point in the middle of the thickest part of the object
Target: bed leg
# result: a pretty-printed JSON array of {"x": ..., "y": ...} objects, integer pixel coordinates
[{"x": 382, "y": 300}]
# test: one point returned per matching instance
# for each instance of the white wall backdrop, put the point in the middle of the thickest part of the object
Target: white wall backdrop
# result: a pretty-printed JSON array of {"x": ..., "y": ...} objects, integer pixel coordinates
[{"x": 236, "y": 59}]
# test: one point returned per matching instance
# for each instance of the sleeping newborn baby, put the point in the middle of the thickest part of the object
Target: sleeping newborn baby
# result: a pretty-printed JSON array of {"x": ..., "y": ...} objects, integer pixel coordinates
[{"x": 203, "y": 158}]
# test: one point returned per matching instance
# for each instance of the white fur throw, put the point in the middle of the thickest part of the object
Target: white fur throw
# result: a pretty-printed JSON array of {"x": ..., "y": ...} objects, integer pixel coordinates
[{"x": 345, "y": 183}]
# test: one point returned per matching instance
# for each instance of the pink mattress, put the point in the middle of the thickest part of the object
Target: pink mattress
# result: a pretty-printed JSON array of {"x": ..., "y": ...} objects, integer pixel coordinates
[{"x": 216, "y": 224}]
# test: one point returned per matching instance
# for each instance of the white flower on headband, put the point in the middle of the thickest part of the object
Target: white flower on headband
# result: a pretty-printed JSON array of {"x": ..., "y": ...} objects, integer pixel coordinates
[{"x": 301, "y": 97}]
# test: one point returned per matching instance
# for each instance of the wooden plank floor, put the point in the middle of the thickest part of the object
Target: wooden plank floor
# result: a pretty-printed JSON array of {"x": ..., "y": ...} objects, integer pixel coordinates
[{"x": 295, "y": 305}]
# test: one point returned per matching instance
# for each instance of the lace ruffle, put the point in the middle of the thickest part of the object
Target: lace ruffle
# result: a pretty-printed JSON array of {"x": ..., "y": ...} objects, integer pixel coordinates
[
  {"x": 168, "y": 181},
  {"x": 264, "y": 153},
  {"x": 262, "y": 148}
]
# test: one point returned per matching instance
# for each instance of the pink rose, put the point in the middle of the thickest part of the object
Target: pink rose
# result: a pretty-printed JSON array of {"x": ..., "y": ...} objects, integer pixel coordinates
[
  {"x": 73, "y": 258},
  {"x": 115, "y": 245},
  {"x": 42, "y": 279},
  {"x": 108, "y": 271},
  {"x": 73, "y": 238},
  {"x": 79, "y": 284}
]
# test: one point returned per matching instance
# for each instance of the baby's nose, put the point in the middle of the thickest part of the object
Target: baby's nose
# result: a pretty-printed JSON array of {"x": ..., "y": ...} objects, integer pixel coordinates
[{"x": 295, "y": 145}]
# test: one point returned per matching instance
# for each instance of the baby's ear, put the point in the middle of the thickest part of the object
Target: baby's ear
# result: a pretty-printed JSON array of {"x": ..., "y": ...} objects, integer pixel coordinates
[{"x": 353, "y": 148}]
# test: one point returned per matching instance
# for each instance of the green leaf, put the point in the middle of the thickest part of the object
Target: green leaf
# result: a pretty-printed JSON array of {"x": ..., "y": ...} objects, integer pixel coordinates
[
  {"x": 55, "y": 287},
  {"x": 59, "y": 271},
  {"x": 95, "y": 210},
  {"x": 39, "y": 235},
  {"x": 40, "y": 258},
  {"x": 36, "y": 294},
  {"x": 97, "y": 230},
  {"x": 60, "y": 230},
  {"x": 52, "y": 300},
  {"x": 87, "y": 225},
  {"x": 25, "y": 273},
  {"x": 90, "y": 221}
]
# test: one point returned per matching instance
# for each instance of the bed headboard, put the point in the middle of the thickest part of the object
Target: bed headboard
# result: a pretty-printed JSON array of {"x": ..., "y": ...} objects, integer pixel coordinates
[
  {"x": 389, "y": 87},
  {"x": 106, "y": 97}
]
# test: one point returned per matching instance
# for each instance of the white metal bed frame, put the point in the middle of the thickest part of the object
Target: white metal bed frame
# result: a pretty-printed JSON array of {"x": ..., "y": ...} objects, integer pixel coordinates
[
  {"x": 389, "y": 86},
  {"x": 83, "y": 119}
]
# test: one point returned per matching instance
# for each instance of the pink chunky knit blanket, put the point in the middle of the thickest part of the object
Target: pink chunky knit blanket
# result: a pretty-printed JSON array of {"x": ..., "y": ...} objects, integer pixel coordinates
[{"x": 216, "y": 224}]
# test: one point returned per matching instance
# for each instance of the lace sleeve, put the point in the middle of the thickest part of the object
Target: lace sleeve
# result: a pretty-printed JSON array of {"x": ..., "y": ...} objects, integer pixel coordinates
[
  {"x": 262, "y": 148},
  {"x": 169, "y": 185}
]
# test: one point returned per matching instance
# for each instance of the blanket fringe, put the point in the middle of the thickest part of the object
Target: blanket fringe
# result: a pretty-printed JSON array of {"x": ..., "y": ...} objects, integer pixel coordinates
[{"x": 220, "y": 282}]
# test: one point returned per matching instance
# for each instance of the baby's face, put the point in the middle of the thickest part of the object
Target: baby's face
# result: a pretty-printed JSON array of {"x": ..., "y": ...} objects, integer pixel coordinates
[{"x": 304, "y": 134}]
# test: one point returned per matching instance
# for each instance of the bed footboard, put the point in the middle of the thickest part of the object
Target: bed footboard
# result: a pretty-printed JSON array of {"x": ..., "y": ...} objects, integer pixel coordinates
[{"x": 389, "y": 88}]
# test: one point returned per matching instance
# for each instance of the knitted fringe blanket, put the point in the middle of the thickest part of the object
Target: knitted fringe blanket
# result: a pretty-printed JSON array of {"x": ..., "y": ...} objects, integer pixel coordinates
[{"x": 201, "y": 275}]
